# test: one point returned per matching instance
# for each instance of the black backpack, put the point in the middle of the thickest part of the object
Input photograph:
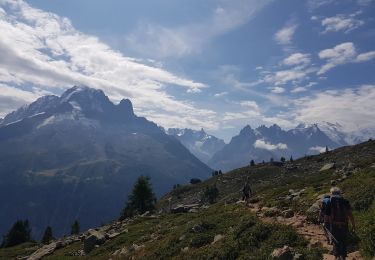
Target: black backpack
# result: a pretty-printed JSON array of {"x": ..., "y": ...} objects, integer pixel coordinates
[{"x": 339, "y": 209}]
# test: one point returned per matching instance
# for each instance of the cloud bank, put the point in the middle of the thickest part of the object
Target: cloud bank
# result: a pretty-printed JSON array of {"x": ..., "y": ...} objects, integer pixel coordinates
[{"x": 44, "y": 51}]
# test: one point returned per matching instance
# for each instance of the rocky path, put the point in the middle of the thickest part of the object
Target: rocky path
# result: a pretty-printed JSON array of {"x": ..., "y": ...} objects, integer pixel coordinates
[{"x": 313, "y": 233}]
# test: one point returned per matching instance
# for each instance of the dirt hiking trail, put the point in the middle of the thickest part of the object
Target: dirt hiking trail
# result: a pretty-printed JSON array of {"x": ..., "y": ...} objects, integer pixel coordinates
[{"x": 312, "y": 232}]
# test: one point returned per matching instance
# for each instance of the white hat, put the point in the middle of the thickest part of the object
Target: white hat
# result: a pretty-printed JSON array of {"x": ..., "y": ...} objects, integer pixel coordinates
[{"x": 335, "y": 191}]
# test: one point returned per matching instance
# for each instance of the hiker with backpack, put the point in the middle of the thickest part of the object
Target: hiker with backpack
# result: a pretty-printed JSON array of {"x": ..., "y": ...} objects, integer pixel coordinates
[
  {"x": 340, "y": 213},
  {"x": 325, "y": 218},
  {"x": 246, "y": 191}
]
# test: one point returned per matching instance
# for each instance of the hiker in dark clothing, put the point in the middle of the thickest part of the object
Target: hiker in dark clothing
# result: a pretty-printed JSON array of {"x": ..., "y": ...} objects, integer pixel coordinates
[
  {"x": 246, "y": 190},
  {"x": 340, "y": 213},
  {"x": 325, "y": 217}
]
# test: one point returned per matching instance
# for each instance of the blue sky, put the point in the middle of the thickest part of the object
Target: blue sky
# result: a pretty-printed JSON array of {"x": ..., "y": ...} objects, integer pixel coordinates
[{"x": 214, "y": 64}]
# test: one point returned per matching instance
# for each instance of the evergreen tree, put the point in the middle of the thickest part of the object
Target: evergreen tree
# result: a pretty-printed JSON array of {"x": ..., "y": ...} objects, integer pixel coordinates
[
  {"x": 220, "y": 172},
  {"x": 252, "y": 163},
  {"x": 271, "y": 160},
  {"x": 291, "y": 159},
  {"x": 75, "y": 228},
  {"x": 211, "y": 193},
  {"x": 141, "y": 199},
  {"x": 327, "y": 150},
  {"x": 18, "y": 234},
  {"x": 47, "y": 236},
  {"x": 282, "y": 159}
]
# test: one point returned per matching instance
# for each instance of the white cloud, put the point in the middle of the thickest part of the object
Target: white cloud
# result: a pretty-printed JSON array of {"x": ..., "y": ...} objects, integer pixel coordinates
[
  {"x": 297, "y": 59},
  {"x": 284, "y": 76},
  {"x": 11, "y": 97},
  {"x": 250, "y": 104},
  {"x": 341, "y": 54},
  {"x": 365, "y": 56},
  {"x": 340, "y": 23},
  {"x": 352, "y": 107},
  {"x": 161, "y": 41},
  {"x": 261, "y": 144},
  {"x": 285, "y": 35},
  {"x": 278, "y": 90},
  {"x": 318, "y": 149},
  {"x": 220, "y": 94},
  {"x": 42, "y": 49}
]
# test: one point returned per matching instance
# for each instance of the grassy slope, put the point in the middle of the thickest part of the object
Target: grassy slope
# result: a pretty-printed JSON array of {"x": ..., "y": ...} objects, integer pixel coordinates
[{"x": 166, "y": 236}]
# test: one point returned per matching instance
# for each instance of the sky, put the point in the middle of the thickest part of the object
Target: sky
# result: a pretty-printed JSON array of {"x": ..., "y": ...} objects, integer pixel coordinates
[{"x": 213, "y": 64}]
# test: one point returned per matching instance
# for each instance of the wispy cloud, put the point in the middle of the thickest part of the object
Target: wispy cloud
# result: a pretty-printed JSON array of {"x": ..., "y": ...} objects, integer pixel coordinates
[
  {"x": 342, "y": 54},
  {"x": 41, "y": 49},
  {"x": 161, "y": 41},
  {"x": 221, "y": 94},
  {"x": 352, "y": 107},
  {"x": 285, "y": 35},
  {"x": 314, "y": 4},
  {"x": 345, "y": 23}
]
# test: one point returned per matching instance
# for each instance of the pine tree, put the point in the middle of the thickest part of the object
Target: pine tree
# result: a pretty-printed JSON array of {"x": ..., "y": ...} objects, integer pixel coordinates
[
  {"x": 18, "y": 234},
  {"x": 141, "y": 199},
  {"x": 211, "y": 193},
  {"x": 327, "y": 150},
  {"x": 282, "y": 159},
  {"x": 252, "y": 163},
  {"x": 47, "y": 236},
  {"x": 291, "y": 159},
  {"x": 75, "y": 228}
]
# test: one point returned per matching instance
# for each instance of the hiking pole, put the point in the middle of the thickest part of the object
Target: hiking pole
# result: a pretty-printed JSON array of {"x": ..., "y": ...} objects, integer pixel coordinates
[{"x": 330, "y": 234}]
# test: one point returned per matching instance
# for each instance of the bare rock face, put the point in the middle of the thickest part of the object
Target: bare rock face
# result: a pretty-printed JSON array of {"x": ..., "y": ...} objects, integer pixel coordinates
[{"x": 284, "y": 253}]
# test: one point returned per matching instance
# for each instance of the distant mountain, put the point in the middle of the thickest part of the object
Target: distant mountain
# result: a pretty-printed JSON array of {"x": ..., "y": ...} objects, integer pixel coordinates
[
  {"x": 264, "y": 143},
  {"x": 199, "y": 143},
  {"x": 77, "y": 157}
]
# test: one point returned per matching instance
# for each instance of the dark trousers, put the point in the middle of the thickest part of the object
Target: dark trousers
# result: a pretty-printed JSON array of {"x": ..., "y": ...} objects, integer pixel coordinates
[{"x": 340, "y": 232}]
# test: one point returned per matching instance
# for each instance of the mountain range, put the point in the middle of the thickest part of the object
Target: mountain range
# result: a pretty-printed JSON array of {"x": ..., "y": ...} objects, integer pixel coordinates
[
  {"x": 263, "y": 143},
  {"x": 78, "y": 155},
  {"x": 201, "y": 144}
]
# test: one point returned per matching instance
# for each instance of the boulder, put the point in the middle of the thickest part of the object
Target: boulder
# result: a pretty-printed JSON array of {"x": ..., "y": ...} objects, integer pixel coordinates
[
  {"x": 43, "y": 251},
  {"x": 283, "y": 253},
  {"x": 217, "y": 238},
  {"x": 312, "y": 213},
  {"x": 178, "y": 209},
  {"x": 93, "y": 238},
  {"x": 328, "y": 166},
  {"x": 136, "y": 247},
  {"x": 184, "y": 208},
  {"x": 287, "y": 213}
]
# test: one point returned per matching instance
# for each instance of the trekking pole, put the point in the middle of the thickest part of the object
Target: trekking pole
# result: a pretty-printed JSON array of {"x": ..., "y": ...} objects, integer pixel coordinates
[{"x": 330, "y": 234}]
